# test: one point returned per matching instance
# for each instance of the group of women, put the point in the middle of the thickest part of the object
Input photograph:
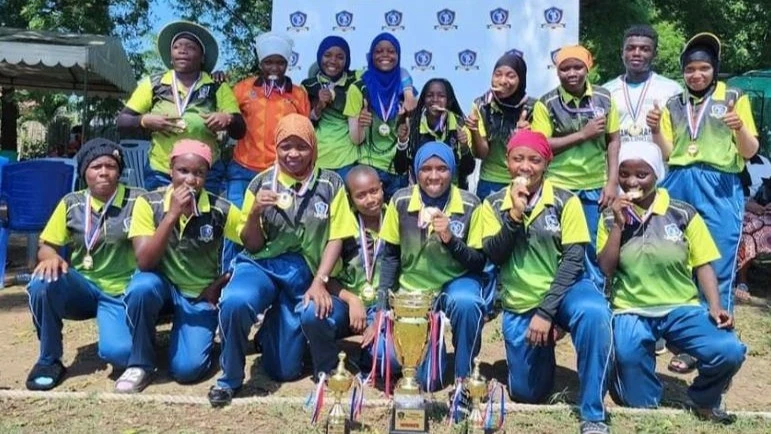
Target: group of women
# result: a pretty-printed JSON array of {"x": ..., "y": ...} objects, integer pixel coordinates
[{"x": 355, "y": 189}]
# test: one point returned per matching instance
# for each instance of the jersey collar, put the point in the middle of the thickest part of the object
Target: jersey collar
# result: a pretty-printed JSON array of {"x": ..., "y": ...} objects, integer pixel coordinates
[
  {"x": 97, "y": 204},
  {"x": 454, "y": 206},
  {"x": 547, "y": 198}
]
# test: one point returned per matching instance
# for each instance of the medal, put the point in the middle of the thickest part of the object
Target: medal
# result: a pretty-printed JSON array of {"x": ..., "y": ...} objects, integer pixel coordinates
[
  {"x": 88, "y": 262},
  {"x": 521, "y": 180},
  {"x": 284, "y": 200},
  {"x": 635, "y": 130},
  {"x": 179, "y": 102},
  {"x": 91, "y": 230},
  {"x": 425, "y": 216},
  {"x": 693, "y": 149},
  {"x": 695, "y": 124},
  {"x": 634, "y": 110},
  {"x": 368, "y": 292},
  {"x": 384, "y": 130},
  {"x": 181, "y": 125}
]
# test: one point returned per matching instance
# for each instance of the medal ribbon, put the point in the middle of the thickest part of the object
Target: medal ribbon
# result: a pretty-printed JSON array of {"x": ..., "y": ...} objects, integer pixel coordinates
[
  {"x": 315, "y": 401},
  {"x": 92, "y": 233},
  {"x": 383, "y": 112},
  {"x": 633, "y": 217},
  {"x": 306, "y": 184},
  {"x": 369, "y": 263},
  {"x": 634, "y": 111},
  {"x": 357, "y": 398},
  {"x": 182, "y": 105},
  {"x": 694, "y": 125}
]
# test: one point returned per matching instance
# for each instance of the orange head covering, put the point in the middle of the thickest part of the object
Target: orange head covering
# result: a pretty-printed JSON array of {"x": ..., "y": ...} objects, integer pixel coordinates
[
  {"x": 299, "y": 126},
  {"x": 189, "y": 146},
  {"x": 574, "y": 52}
]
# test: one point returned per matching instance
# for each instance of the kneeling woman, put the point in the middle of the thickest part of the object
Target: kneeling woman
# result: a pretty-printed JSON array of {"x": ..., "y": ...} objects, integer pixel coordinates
[
  {"x": 178, "y": 234},
  {"x": 294, "y": 221},
  {"x": 646, "y": 230},
  {"x": 427, "y": 231},
  {"x": 536, "y": 232},
  {"x": 92, "y": 223}
]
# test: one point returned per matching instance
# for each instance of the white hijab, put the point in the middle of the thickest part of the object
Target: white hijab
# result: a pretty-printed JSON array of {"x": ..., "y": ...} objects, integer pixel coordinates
[{"x": 646, "y": 151}]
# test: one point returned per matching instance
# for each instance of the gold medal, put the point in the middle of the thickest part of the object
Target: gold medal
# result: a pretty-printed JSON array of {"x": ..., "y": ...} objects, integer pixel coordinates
[
  {"x": 368, "y": 292},
  {"x": 693, "y": 149},
  {"x": 634, "y": 194},
  {"x": 284, "y": 200},
  {"x": 521, "y": 180},
  {"x": 426, "y": 215},
  {"x": 635, "y": 130},
  {"x": 384, "y": 130},
  {"x": 88, "y": 262},
  {"x": 181, "y": 125}
]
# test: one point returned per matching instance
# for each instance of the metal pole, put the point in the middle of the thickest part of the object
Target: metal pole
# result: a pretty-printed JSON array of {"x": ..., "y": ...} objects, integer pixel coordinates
[{"x": 84, "y": 115}]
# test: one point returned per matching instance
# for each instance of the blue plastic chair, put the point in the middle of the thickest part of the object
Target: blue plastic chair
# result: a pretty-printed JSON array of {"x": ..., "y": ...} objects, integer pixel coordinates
[{"x": 30, "y": 190}]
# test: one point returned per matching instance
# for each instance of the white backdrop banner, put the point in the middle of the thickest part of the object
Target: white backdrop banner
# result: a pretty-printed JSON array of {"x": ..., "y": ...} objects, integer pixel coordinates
[{"x": 459, "y": 40}]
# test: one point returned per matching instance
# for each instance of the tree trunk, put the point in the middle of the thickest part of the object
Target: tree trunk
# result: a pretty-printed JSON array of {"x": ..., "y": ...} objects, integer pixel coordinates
[{"x": 10, "y": 113}]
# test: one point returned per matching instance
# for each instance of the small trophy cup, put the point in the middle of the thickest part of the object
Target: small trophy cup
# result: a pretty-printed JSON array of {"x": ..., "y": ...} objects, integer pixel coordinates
[
  {"x": 410, "y": 335},
  {"x": 476, "y": 385},
  {"x": 339, "y": 383}
]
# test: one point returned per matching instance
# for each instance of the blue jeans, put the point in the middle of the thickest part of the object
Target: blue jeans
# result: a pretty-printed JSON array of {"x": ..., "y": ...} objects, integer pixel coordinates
[
  {"x": 238, "y": 179},
  {"x": 391, "y": 183},
  {"x": 689, "y": 328},
  {"x": 584, "y": 313},
  {"x": 486, "y": 188},
  {"x": 74, "y": 297},
  {"x": 278, "y": 285},
  {"x": 214, "y": 179},
  {"x": 192, "y": 332},
  {"x": 719, "y": 199}
]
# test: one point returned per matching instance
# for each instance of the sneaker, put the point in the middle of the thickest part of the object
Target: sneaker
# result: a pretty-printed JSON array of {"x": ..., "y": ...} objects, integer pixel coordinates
[
  {"x": 716, "y": 415},
  {"x": 588, "y": 427},
  {"x": 133, "y": 380},
  {"x": 220, "y": 396}
]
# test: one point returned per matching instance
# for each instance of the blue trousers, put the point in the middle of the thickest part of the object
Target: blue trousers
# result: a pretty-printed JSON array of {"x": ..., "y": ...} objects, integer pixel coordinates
[
  {"x": 238, "y": 178},
  {"x": 278, "y": 285},
  {"x": 343, "y": 171},
  {"x": 590, "y": 203},
  {"x": 192, "y": 333},
  {"x": 689, "y": 328},
  {"x": 584, "y": 313},
  {"x": 214, "y": 179},
  {"x": 718, "y": 197},
  {"x": 391, "y": 183},
  {"x": 74, "y": 297},
  {"x": 486, "y": 188}
]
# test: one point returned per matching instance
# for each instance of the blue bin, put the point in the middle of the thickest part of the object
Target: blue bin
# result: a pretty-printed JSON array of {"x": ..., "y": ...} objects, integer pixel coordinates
[{"x": 31, "y": 190}]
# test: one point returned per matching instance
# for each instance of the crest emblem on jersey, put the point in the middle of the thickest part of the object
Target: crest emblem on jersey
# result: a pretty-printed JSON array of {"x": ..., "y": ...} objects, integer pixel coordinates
[
  {"x": 206, "y": 233},
  {"x": 423, "y": 60},
  {"x": 553, "y": 17},
  {"x": 321, "y": 210},
  {"x": 467, "y": 60},
  {"x": 446, "y": 20},
  {"x": 297, "y": 21},
  {"x": 673, "y": 233},
  {"x": 499, "y": 18},
  {"x": 457, "y": 228},
  {"x": 202, "y": 92},
  {"x": 599, "y": 112},
  {"x": 344, "y": 20},
  {"x": 393, "y": 20},
  {"x": 718, "y": 110},
  {"x": 552, "y": 223}
]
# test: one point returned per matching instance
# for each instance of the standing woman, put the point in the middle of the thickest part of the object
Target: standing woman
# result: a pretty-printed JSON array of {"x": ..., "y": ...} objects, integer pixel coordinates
[
  {"x": 183, "y": 102},
  {"x": 581, "y": 122},
  {"x": 327, "y": 91},
  {"x": 427, "y": 232},
  {"x": 93, "y": 223},
  {"x": 706, "y": 133},
  {"x": 495, "y": 116},
  {"x": 440, "y": 119},
  {"x": 295, "y": 219},
  {"x": 378, "y": 92}
]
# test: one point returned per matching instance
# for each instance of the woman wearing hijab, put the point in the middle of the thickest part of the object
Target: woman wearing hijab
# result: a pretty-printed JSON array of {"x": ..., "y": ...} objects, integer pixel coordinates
[
  {"x": 645, "y": 230},
  {"x": 495, "y": 116},
  {"x": 183, "y": 102},
  {"x": 707, "y": 133},
  {"x": 376, "y": 118},
  {"x": 177, "y": 233},
  {"x": 327, "y": 91},
  {"x": 427, "y": 232},
  {"x": 295, "y": 218},
  {"x": 440, "y": 119},
  {"x": 91, "y": 223},
  {"x": 536, "y": 233}
]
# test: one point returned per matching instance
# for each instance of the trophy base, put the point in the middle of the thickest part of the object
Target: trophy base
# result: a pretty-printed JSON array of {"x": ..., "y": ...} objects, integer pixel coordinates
[
  {"x": 408, "y": 419},
  {"x": 336, "y": 428}
]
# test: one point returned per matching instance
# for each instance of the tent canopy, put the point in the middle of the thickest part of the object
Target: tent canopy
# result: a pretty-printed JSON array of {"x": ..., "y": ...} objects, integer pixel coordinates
[
  {"x": 39, "y": 60},
  {"x": 757, "y": 85}
]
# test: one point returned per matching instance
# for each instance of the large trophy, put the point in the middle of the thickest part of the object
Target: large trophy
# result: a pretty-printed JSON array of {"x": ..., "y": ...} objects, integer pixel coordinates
[
  {"x": 476, "y": 385},
  {"x": 410, "y": 335},
  {"x": 339, "y": 383}
]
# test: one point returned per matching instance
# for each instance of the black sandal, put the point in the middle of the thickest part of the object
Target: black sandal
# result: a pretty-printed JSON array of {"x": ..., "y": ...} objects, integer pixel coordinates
[
  {"x": 716, "y": 415},
  {"x": 45, "y": 377},
  {"x": 682, "y": 364}
]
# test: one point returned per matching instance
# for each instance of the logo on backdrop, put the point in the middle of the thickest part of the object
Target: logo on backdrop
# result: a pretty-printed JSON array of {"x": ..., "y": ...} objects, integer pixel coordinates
[
  {"x": 553, "y": 17},
  {"x": 297, "y": 22},
  {"x": 500, "y": 19},
  {"x": 423, "y": 61},
  {"x": 518, "y": 53},
  {"x": 467, "y": 60},
  {"x": 393, "y": 21},
  {"x": 446, "y": 20},
  {"x": 553, "y": 56},
  {"x": 294, "y": 61},
  {"x": 344, "y": 20}
]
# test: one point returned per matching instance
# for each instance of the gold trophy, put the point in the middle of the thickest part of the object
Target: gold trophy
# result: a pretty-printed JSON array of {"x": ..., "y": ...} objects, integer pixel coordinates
[
  {"x": 339, "y": 383},
  {"x": 476, "y": 385},
  {"x": 410, "y": 335}
]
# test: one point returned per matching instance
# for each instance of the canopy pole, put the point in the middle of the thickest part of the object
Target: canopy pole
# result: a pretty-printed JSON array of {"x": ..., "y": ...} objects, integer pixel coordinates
[{"x": 84, "y": 122}]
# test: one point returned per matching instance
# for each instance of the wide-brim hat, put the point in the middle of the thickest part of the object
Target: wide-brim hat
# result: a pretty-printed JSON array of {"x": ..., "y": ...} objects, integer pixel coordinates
[
  {"x": 703, "y": 39},
  {"x": 210, "y": 47}
]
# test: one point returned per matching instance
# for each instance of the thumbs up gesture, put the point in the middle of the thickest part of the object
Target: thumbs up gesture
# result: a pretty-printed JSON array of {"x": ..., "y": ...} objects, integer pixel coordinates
[
  {"x": 365, "y": 116},
  {"x": 731, "y": 119},
  {"x": 522, "y": 122},
  {"x": 653, "y": 118},
  {"x": 472, "y": 120}
]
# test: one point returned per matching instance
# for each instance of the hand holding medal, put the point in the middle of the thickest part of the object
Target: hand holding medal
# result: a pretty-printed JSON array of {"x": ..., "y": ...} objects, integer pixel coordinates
[
  {"x": 265, "y": 198},
  {"x": 441, "y": 224},
  {"x": 181, "y": 202},
  {"x": 519, "y": 195}
]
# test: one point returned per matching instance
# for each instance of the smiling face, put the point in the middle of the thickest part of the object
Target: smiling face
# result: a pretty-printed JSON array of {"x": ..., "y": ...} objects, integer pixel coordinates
[
  {"x": 366, "y": 192},
  {"x": 186, "y": 55},
  {"x": 102, "y": 176},
  {"x": 436, "y": 97},
  {"x": 638, "y": 54},
  {"x": 698, "y": 75},
  {"x": 434, "y": 177},
  {"x": 189, "y": 170},
  {"x": 505, "y": 81},
  {"x": 525, "y": 162},
  {"x": 572, "y": 74},
  {"x": 333, "y": 61},
  {"x": 295, "y": 156},
  {"x": 637, "y": 175},
  {"x": 384, "y": 56},
  {"x": 273, "y": 65}
]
